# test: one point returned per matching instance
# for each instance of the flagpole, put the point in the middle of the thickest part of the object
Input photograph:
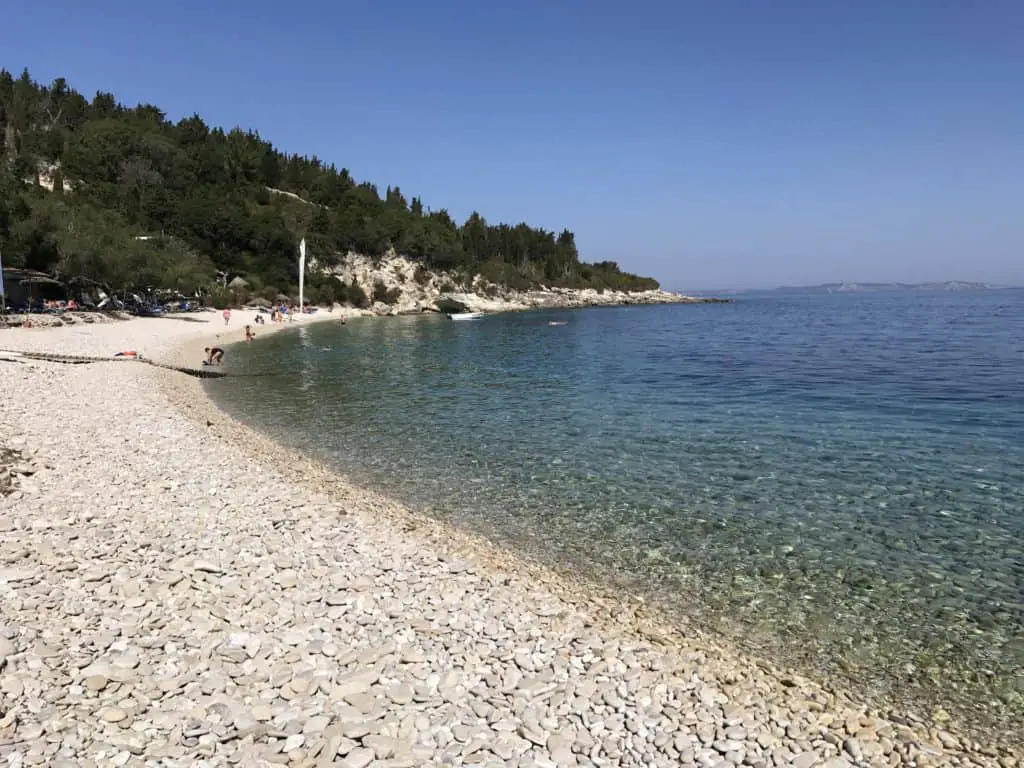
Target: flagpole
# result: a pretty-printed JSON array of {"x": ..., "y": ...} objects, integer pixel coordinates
[
  {"x": 3, "y": 292},
  {"x": 302, "y": 275}
]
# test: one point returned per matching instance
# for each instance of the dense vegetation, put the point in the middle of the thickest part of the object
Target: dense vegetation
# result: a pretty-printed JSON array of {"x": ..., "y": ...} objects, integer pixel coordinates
[{"x": 203, "y": 197}]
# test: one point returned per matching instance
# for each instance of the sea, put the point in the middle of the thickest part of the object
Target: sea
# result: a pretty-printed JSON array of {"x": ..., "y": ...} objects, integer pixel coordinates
[{"x": 834, "y": 482}]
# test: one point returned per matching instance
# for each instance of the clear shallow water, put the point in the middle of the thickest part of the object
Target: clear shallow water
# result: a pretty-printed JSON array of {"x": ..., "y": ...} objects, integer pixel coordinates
[{"x": 835, "y": 481}]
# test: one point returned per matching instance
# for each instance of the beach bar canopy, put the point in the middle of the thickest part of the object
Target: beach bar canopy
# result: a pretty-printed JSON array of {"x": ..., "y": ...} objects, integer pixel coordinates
[
  {"x": 29, "y": 277},
  {"x": 21, "y": 284}
]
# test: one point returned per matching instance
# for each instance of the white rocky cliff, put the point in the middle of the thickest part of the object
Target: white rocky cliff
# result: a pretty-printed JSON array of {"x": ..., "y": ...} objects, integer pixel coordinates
[{"x": 421, "y": 290}]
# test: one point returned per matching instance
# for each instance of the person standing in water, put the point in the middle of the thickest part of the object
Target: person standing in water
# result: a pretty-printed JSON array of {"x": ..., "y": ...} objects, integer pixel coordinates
[{"x": 248, "y": 333}]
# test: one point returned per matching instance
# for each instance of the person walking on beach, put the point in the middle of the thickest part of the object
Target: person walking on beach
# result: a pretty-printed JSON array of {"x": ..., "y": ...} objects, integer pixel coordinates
[
  {"x": 227, "y": 315},
  {"x": 248, "y": 333}
]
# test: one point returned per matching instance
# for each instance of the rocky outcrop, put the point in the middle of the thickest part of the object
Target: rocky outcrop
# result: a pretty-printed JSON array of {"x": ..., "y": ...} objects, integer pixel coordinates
[
  {"x": 421, "y": 290},
  {"x": 47, "y": 175}
]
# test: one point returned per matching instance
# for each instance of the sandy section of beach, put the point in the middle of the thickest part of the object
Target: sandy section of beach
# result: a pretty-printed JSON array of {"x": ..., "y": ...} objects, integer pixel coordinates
[
  {"x": 177, "y": 590},
  {"x": 176, "y": 339}
]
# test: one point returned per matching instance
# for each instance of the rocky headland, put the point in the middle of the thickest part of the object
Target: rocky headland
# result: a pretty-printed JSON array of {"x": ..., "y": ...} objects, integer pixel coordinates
[
  {"x": 176, "y": 590},
  {"x": 416, "y": 290}
]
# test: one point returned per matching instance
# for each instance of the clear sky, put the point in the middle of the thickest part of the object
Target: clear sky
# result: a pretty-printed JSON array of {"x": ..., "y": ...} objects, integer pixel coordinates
[{"x": 720, "y": 143}]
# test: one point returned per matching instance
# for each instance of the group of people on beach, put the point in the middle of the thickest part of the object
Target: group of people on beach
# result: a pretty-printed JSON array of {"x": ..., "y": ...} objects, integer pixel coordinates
[
  {"x": 281, "y": 314},
  {"x": 215, "y": 355}
]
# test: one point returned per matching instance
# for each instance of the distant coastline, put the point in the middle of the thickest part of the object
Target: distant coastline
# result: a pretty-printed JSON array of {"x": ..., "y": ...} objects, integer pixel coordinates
[{"x": 868, "y": 287}]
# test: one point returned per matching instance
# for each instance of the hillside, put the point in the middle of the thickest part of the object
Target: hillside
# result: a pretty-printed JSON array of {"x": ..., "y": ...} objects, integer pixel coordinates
[{"x": 82, "y": 180}]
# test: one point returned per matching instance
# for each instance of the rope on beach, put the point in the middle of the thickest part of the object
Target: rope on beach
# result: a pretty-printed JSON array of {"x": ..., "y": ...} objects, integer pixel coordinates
[
  {"x": 82, "y": 359},
  {"x": 199, "y": 373}
]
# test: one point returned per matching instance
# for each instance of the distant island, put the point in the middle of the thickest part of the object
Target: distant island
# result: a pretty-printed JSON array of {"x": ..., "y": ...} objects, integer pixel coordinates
[
  {"x": 949, "y": 285},
  {"x": 95, "y": 193}
]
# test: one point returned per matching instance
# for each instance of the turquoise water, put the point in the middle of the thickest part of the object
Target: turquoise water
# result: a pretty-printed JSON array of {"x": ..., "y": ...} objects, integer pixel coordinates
[{"x": 833, "y": 481}]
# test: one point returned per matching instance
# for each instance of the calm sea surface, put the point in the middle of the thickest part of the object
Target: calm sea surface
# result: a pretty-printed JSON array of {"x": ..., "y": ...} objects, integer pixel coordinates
[{"x": 833, "y": 481}]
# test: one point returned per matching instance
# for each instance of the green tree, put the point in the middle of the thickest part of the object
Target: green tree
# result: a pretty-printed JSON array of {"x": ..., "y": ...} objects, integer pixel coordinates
[{"x": 226, "y": 202}]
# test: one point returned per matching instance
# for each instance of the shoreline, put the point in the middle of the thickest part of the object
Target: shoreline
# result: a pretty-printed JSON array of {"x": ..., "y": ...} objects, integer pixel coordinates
[
  {"x": 790, "y": 720},
  {"x": 616, "y": 610}
]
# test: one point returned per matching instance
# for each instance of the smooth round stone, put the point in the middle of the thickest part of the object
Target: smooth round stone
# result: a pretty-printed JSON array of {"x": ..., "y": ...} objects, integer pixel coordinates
[
  {"x": 96, "y": 683},
  {"x": 12, "y": 686},
  {"x": 400, "y": 694}
]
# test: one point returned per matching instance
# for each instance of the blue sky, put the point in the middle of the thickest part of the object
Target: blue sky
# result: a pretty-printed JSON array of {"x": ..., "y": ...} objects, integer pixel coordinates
[{"x": 711, "y": 144}]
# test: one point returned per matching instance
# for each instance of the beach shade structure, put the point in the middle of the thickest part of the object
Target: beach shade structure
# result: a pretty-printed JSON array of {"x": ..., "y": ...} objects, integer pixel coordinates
[
  {"x": 281, "y": 297},
  {"x": 23, "y": 285},
  {"x": 86, "y": 289},
  {"x": 238, "y": 285},
  {"x": 29, "y": 276}
]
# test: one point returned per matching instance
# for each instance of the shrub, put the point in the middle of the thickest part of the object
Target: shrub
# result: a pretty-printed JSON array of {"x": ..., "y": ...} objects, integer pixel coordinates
[
  {"x": 325, "y": 289},
  {"x": 385, "y": 295},
  {"x": 219, "y": 297},
  {"x": 356, "y": 296}
]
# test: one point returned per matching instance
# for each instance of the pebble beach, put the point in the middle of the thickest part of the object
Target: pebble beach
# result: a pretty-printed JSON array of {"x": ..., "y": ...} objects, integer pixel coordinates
[{"x": 177, "y": 590}]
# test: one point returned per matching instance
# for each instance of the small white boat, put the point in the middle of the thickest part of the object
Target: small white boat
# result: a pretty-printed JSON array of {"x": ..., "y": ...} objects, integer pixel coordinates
[
  {"x": 466, "y": 316},
  {"x": 558, "y": 322}
]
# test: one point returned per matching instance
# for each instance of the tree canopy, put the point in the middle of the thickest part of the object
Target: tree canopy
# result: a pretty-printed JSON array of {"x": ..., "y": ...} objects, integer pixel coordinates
[{"x": 140, "y": 200}]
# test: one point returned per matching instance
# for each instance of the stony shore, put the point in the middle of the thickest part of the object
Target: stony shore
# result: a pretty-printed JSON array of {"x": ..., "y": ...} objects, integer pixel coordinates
[
  {"x": 565, "y": 298},
  {"x": 178, "y": 591}
]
